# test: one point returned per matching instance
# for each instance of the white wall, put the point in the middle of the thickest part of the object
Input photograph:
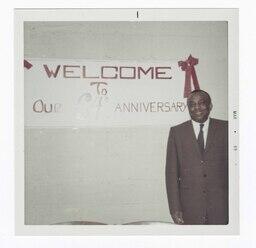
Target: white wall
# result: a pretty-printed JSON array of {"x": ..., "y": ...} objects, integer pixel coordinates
[{"x": 113, "y": 175}]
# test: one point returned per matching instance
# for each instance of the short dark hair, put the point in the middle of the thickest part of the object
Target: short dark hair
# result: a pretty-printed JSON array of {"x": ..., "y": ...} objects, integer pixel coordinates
[{"x": 200, "y": 91}]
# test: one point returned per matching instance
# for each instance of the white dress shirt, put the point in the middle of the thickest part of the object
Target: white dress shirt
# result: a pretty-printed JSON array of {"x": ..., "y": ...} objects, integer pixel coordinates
[{"x": 196, "y": 126}]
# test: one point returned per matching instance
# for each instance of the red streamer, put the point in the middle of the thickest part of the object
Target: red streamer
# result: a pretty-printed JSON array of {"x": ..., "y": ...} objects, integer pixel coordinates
[{"x": 27, "y": 64}]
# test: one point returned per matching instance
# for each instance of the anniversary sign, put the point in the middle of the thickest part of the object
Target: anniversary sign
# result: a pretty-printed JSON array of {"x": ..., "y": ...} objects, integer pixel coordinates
[{"x": 96, "y": 93}]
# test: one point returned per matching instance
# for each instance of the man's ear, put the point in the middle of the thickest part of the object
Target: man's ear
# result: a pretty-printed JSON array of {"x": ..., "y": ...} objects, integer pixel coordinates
[{"x": 210, "y": 107}]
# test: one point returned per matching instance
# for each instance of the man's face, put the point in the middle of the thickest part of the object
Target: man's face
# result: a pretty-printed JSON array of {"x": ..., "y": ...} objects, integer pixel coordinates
[{"x": 199, "y": 107}]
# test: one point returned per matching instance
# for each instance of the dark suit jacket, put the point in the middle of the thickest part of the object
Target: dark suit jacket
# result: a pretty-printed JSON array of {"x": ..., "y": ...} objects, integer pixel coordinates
[{"x": 197, "y": 185}]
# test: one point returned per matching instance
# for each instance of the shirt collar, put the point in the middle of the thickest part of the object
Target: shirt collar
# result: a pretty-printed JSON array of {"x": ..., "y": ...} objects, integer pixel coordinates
[{"x": 197, "y": 124}]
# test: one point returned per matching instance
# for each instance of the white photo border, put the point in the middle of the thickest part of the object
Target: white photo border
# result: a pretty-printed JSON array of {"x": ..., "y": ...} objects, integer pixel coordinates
[{"x": 229, "y": 15}]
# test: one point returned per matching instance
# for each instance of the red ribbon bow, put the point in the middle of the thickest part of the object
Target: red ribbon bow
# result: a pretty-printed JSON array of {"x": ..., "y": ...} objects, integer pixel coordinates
[{"x": 188, "y": 67}]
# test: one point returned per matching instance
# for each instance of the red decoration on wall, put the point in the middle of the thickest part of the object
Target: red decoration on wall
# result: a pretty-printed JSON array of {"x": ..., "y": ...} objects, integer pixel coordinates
[
  {"x": 27, "y": 64},
  {"x": 188, "y": 67}
]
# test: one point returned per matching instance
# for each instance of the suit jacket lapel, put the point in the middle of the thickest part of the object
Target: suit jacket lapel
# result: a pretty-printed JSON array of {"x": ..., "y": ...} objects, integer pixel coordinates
[
  {"x": 210, "y": 135},
  {"x": 193, "y": 138}
]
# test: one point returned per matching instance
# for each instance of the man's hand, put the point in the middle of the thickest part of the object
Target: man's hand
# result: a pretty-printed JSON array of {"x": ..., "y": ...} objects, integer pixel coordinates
[{"x": 177, "y": 218}]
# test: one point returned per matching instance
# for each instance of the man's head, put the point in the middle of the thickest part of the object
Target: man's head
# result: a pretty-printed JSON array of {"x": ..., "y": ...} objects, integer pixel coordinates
[{"x": 199, "y": 105}]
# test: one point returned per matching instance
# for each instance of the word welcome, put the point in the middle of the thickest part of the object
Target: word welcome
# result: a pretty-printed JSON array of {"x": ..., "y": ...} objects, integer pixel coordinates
[{"x": 109, "y": 72}]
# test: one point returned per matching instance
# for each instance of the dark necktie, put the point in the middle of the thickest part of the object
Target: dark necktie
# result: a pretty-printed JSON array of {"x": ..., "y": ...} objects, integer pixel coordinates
[{"x": 200, "y": 139}]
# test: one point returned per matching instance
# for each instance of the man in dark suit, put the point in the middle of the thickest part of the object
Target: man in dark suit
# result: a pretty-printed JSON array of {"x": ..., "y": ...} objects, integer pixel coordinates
[{"x": 197, "y": 166}]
